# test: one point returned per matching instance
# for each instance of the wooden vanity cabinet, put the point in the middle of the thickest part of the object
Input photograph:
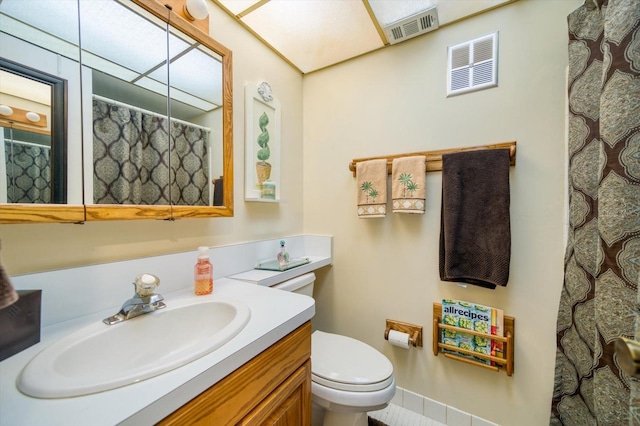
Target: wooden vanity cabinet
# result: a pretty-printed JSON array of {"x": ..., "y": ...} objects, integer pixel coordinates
[{"x": 274, "y": 388}]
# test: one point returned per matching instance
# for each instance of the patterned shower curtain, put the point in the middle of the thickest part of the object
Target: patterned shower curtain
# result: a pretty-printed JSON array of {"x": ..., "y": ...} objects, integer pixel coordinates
[
  {"x": 133, "y": 163},
  {"x": 28, "y": 172},
  {"x": 189, "y": 167},
  {"x": 599, "y": 300}
]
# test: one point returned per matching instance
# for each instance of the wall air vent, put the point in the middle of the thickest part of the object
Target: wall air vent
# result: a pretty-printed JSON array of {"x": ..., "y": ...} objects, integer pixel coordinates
[
  {"x": 414, "y": 25},
  {"x": 473, "y": 65}
]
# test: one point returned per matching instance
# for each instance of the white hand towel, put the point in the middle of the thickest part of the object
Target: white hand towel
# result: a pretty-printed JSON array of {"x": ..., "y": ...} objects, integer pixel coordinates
[
  {"x": 408, "y": 184},
  {"x": 372, "y": 188}
]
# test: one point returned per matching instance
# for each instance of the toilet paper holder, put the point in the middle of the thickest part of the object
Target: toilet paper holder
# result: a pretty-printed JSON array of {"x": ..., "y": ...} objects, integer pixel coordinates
[{"x": 414, "y": 331}]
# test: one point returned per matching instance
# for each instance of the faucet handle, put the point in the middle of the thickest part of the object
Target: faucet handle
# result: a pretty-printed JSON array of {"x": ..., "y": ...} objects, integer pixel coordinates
[{"x": 146, "y": 284}]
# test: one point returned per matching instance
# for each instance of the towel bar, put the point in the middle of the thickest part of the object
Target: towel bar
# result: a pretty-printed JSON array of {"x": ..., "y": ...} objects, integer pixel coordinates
[{"x": 434, "y": 158}]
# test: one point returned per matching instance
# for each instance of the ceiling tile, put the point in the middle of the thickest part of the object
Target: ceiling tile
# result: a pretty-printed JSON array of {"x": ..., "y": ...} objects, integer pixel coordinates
[{"x": 315, "y": 34}]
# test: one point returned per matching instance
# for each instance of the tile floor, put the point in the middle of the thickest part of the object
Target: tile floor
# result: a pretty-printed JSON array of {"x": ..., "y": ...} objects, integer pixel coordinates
[{"x": 395, "y": 415}]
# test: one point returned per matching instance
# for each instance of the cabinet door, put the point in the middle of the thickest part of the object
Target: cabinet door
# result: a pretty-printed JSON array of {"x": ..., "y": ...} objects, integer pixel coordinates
[
  {"x": 278, "y": 379},
  {"x": 288, "y": 405}
]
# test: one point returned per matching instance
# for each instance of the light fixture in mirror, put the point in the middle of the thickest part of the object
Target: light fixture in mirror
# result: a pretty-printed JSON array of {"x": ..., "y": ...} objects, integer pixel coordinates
[
  {"x": 6, "y": 110},
  {"x": 33, "y": 117}
]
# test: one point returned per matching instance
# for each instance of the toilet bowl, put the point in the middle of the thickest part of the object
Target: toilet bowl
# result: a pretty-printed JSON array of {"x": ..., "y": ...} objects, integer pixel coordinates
[{"x": 349, "y": 377}]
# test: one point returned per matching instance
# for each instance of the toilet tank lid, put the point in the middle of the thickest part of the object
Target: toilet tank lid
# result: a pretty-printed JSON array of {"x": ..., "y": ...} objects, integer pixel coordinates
[{"x": 296, "y": 283}]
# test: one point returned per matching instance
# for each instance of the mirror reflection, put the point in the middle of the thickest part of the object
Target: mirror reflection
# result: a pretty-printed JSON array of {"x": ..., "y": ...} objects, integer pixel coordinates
[
  {"x": 196, "y": 99},
  {"x": 35, "y": 69},
  {"x": 139, "y": 156},
  {"x": 129, "y": 149},
  {"x": 25, "y": 158},
  {"x": 132, "y": 152}
]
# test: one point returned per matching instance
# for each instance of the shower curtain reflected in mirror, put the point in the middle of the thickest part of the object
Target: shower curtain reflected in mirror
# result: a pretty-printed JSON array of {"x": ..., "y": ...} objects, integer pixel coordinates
[
  {"x": 27, "y": 171},
  {"x": 189, "y": 165},
  {"x": 599, "y": 300},
  {"x": 133, "y": 162}
]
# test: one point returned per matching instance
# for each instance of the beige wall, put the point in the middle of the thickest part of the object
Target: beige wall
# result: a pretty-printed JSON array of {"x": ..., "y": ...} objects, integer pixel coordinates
[
  {"x": 394, "y": 101},
  {"x": 40, "y": 247}
]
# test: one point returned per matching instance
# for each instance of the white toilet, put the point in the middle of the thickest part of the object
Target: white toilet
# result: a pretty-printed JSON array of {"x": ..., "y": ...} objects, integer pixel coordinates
[{"x": 349, "y": 377}]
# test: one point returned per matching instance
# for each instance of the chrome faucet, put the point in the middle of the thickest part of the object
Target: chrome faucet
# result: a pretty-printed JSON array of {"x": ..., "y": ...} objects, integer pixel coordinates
[{"x": 143, "y": 301}]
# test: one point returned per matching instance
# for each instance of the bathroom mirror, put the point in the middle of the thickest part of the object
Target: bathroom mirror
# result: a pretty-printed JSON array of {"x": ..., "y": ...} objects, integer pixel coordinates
[
  {"x": 40, "y": 155},
  {"x": 156, "y": 142},
  {"x": 160, "y": 136},
  {"x": 32, "y": 117}
]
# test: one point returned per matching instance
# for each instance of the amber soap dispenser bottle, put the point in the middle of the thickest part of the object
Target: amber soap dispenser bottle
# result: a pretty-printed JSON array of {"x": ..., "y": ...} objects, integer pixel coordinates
[{"x": 203, "y": 273}]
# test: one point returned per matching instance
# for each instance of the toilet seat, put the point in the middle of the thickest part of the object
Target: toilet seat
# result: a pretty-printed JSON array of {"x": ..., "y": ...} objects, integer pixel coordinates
[{"x": 342, "y": 363}]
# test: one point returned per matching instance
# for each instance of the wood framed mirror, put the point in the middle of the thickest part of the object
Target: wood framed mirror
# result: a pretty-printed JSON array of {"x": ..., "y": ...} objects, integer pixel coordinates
[{"x": 187, "y": 176}]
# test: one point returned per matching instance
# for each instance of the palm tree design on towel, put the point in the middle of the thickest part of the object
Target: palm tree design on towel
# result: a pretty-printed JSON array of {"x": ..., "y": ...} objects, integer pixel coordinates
[
  {"x": 407, "y": 184},
  {"x": 369, "y": 190}
]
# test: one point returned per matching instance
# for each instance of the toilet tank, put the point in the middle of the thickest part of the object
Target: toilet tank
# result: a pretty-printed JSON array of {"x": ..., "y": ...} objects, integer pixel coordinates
[{"x": 302, "y": 284}]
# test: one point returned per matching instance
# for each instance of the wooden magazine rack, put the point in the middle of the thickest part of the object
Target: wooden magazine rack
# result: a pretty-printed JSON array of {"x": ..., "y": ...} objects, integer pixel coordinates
[{"x": 498, "y": 364}]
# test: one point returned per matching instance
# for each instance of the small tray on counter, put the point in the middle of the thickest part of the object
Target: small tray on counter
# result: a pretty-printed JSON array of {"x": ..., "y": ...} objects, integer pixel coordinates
[{"x": 274, "y": 265}]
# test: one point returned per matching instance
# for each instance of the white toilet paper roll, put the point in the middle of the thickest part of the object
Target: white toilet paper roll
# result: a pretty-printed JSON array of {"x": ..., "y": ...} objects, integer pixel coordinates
[{"x": 398, "y": 338}]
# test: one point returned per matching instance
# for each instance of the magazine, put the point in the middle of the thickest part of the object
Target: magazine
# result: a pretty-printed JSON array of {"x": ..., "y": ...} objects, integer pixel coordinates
[
  {"x": 498, "y": 347},
  {"x": 472, "y": 316}
]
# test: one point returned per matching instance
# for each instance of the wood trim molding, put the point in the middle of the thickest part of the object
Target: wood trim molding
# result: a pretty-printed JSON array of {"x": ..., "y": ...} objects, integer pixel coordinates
[
  {"x": 43, "y": 213},
  {"x": 126, "y": 212}
]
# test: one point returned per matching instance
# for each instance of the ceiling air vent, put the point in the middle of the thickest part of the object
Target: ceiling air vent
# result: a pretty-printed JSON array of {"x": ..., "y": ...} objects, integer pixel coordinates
[
  {"x": 473, "y": 65},
  {"x": 414, "y": 25}
]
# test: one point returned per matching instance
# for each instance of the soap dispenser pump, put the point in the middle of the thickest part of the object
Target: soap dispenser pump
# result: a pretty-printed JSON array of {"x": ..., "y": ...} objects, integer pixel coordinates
[{"x": 203, "y": 273}]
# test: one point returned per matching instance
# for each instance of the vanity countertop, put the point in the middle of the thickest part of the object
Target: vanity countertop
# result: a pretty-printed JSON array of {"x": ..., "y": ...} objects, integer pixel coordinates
[
  {"x": 274, "y": 314},
  {"x": 269, "y": 278}
]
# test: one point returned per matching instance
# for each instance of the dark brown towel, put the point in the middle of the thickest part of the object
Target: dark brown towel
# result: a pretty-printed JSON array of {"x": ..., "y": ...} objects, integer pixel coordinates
[
  {"x": 475, "y": 229},
  {"x": 218, "y": 194}
]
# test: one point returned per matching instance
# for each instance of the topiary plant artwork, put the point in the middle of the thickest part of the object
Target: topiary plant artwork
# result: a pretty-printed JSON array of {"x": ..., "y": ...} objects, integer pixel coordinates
[
  {"x": 263, "y": 138},
  {"x": 263, "y": 168}
]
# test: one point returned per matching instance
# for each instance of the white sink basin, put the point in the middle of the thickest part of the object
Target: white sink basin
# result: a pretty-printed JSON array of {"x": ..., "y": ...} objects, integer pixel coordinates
[{"x": 100, "y": 357}]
